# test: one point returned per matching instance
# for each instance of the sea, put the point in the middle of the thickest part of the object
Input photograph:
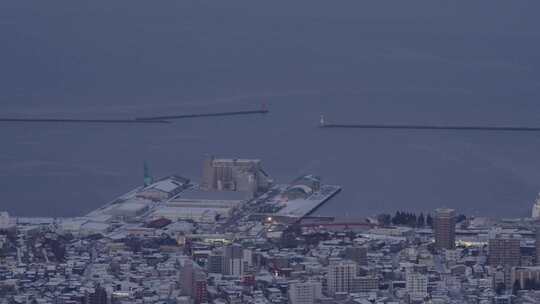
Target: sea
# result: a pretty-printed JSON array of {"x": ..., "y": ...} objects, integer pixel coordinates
[{"x": 374, "y": 62}]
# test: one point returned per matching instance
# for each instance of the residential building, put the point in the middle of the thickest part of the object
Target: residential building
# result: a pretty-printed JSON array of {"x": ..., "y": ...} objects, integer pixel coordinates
[
  {"x": 340, "y": 277},
  {"x": 417, "y": 284},
  {"x": 357, "y": 254},
  {"x": 233, "y": 260},
  {"x": 304, "y": 292},
  {"x": 444, "y": 228}
]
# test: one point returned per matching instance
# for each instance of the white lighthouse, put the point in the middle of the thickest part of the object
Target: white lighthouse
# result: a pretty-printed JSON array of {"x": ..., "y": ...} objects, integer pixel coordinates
[{"x": 321, "y": 122}]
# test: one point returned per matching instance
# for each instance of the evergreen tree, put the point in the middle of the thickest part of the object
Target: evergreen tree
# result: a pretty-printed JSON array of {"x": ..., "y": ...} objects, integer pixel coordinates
[
  {"x": 421, "y": 221},
  {"x": 396, "y": 219},
  {"x": 413, "y": 220},
  {"x": 429, "y": 220},
  {"x": 384, "y": 219}
]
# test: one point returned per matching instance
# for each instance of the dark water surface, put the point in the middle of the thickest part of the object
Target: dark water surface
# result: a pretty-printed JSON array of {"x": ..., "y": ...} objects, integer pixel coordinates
[{"x": 394, "y": 62}]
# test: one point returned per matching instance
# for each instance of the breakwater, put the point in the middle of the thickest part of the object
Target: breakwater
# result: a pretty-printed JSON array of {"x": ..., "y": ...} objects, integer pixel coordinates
[
  {"x": 137, "y": 120},
  {"x": 69, "y": 120},
  {"x": 182, "y": 116},
  {"x": 434, "y": 127}
]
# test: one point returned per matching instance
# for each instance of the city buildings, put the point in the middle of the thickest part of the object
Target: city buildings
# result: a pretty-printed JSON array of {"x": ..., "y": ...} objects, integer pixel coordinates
[
  {"x": 444, "y": 228},
  {"x": 133, "y": 250}
]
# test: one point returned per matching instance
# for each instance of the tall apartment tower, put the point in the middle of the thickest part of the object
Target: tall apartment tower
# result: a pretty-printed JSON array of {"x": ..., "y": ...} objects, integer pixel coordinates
[
  {"x": 215, "y": 261},
  {"x": 200, "y": 288},
  {"x": 504, "y": 251},
  {"x": 187, "y": 274},
  {"x": 193, "y": 281},
  {"x": 444, "y": 228},
  {"x": 341, "y": 275},
  {"x": 233, "y": 260},
  {"x": 536, "y": 209}
]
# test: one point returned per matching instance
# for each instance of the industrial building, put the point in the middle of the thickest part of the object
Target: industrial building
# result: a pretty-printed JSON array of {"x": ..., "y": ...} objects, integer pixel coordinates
[
  {"x": 200, "y": 206},
  {"x": 164, "y": 188},
  {"x": 243, "y": 175}
]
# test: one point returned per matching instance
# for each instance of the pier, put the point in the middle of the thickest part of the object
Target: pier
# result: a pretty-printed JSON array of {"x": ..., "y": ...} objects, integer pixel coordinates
[
  {"x": 183, "y": 116},
  {"x": 323, "y": 124},
  {"x": 332, "y": 191},
  {"x": 299, "y": 208}
]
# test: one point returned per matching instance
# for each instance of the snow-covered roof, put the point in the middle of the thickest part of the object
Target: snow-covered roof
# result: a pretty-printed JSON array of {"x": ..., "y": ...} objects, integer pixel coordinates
[{"x": 167, "y": 185}]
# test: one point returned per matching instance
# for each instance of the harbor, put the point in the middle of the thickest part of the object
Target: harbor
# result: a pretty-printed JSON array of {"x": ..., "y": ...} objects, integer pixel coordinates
[{"x": 233, "y": 195}]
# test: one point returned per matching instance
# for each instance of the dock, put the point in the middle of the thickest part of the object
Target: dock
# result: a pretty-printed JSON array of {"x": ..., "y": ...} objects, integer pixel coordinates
[
  {"x": 299, "y": 208},
  {"x": 332, "y": 191}
]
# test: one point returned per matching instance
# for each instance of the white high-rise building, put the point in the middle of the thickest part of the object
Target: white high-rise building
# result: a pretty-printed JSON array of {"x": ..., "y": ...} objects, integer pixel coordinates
[
  {"x": 186, "y": 277},
  {"x": 304, "y": 292},
  {"x": 340, "y": 277},
  {"x": 6, "y": 222},
  {"x": 417, "y": 284},
  {"x": 233, "y": 260},
  {"x": 536, "y": 208}
]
